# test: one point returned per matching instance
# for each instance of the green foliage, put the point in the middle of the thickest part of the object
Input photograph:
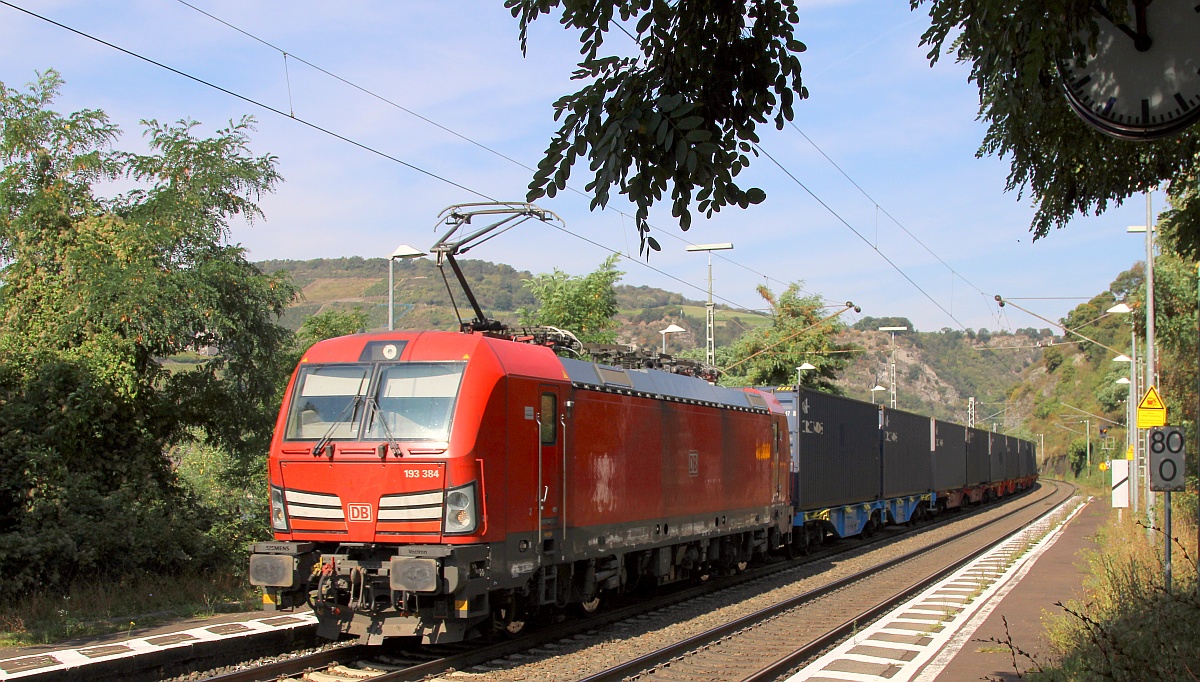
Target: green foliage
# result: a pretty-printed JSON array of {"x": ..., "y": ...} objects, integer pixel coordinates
[
  {"x": 684, "y": 113},
  {"x": 330, "y": 324},
  {"x": 800, "y": 331},
  {"x": 868, "y": 323},
  {"x": 1069, "y": 168},
  {"x": 584, "y": 305},
  {"x": 235, "y": 510},
  {"x": 85, "y": 490},
  {"x": 1077, "y": 455},
  {"x": 1127, "y": 626},
  {"x": 1053, "y": 358},
  {"x": 96, "y": 292},
  {"x": 967, "y": 364}
]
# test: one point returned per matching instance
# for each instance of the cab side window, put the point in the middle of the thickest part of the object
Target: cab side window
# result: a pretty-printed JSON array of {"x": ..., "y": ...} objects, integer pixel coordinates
[{"x": 549, "y": 418}]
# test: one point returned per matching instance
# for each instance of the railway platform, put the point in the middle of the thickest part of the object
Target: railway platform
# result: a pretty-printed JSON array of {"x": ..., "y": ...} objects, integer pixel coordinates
[
  {"x": 1057, "y": 576},
  {"x": 148, "y": 653},
  {"x": 954, "y": 630}
]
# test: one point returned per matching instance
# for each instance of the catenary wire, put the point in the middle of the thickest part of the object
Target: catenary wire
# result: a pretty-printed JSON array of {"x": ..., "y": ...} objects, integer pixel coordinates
[
  {"x": 875, "y": 247},
  {"x": 249, "y": 100},
  {"x": 335, "y": 135},
  {"x": 884, "y": 210},
  {"x": 457, "y": 134}
]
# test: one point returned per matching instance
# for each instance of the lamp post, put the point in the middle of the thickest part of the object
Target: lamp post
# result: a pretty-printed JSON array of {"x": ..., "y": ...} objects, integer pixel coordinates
[
  {"x": 1149, "y": 378},
  {"x": 873, "y": 390},
  {"x": 710, "y": 353},
  {"x": 800, "y": 373},
  {"x": 670, "y": 330},
  {"x": 893, "y": 331},
  {"x": 402, "y": 251},
  {"x": 1131, "y": 431}
]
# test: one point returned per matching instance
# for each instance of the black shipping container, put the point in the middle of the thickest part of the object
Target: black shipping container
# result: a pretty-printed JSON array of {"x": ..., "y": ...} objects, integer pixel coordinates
[
  {"x": 907, "y": 454},
  {"x": 837, "y": 446},
  {"x": 1012, "y": 465},
  {"x": 979, "y": 463},
  {"x": 998, "y": 455},
  {"x": 949, "y": 456},
  {"x": 1028, "y": 460}
]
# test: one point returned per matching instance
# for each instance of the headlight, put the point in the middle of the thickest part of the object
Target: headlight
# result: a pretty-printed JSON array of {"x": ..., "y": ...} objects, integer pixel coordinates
[
  {"x": 279, "y": 519},
  {"x": 461, "y": 512}
]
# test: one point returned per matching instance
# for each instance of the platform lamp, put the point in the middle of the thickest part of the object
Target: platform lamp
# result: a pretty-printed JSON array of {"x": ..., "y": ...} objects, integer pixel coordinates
[
  {"x": 403, "y": 251},
  {"x": 1131, "y": 430},
  {"x": 710, "y": 353},
  {"x": 669, "y": 330},
  {"x": 800, "y": 373},
  {"x": 876, "y": 388}
]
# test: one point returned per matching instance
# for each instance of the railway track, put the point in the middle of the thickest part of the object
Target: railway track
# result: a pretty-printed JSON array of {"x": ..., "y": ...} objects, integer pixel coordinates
[
  {"x": 812, "y": 619},
  {"x": 786, "y": 634}
]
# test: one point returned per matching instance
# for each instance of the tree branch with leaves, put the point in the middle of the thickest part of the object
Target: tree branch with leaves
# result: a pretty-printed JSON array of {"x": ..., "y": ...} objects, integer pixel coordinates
[{"x": 681, "y": 116}]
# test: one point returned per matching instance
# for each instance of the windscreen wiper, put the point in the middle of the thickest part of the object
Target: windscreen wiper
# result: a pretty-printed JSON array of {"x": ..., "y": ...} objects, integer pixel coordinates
[
  {"x": 352, "y": 408},
  {"x": 377, "y": 412}
]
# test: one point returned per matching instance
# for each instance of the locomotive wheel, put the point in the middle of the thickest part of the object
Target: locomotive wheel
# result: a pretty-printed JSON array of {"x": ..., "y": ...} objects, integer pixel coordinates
[
  {"x": 505, "y": 621},
  {"x": 589, "y": 607}
]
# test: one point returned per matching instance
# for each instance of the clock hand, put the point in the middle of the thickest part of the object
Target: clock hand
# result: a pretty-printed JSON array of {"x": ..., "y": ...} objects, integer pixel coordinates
[
  {"x": 1142, "y": 40},
  {"x": 1124, "y": 28}
]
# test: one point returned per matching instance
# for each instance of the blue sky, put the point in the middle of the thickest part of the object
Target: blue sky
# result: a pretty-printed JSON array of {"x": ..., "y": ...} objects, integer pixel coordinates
[{"x": 902, "y": 131}]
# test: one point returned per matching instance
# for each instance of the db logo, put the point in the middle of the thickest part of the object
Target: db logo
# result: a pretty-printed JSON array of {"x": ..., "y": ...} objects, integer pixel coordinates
[{"x": 359, "y": 512}]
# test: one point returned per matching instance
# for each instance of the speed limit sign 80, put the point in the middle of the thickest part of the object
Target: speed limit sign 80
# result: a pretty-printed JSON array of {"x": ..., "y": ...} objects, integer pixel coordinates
[{"x": 1166, "y": 459}]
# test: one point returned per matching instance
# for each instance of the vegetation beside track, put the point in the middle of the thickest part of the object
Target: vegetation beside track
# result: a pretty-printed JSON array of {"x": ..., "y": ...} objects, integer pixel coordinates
[{"x": 1126, "y": 626}]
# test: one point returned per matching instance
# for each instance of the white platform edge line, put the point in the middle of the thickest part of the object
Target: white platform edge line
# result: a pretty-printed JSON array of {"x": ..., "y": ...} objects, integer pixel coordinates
[
  {"x": 949, "y": 629},
  {"x": 71, "y": 659},
  {"x": 938, "y": 663}
]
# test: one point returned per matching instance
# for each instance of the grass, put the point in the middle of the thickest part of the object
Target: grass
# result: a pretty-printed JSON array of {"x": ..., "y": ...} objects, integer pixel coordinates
[
  {"x": 337, "y": 288},
  {"x": 1126, "y": 626},
  {"x": 722, "y": 315},
  {"x": 111, "y": 607}
]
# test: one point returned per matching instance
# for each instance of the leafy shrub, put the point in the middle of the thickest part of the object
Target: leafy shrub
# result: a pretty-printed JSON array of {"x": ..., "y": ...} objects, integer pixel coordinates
[
  {"x": 1129, "y": 627},
  {"x": 84, "y": 489}
]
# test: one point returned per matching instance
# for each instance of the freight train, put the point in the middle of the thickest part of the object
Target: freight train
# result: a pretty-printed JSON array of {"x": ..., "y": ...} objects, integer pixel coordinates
[{"x": 444, "y": 485}]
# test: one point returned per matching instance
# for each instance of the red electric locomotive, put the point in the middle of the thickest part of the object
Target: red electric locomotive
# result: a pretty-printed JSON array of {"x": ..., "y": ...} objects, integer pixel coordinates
[{"x": 442, "y": 484}]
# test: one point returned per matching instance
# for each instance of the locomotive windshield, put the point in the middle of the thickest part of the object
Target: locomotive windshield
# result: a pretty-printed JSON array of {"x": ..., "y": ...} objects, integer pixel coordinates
[
  {"x": 328, "y": 401},
  {"x": 406, "y": 401},
  {"x": 415, "y": 401}
]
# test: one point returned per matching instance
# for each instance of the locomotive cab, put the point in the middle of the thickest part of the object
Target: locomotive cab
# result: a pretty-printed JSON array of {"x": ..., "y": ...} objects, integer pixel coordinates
[
  {"x": 375, "y": 506},
  {"x": 438, "y": 485}
]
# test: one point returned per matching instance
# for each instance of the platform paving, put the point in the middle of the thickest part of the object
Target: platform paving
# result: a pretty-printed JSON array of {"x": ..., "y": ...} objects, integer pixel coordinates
[
  {"x": 138, "y": 654},
  {"x": 940, "y": 635},
  {"x": 1057, "y": 576}
]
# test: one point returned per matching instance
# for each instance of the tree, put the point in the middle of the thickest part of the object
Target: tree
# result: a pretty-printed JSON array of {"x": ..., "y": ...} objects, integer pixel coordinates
[
  {"x": 584, "y": 306},
  {"x": 95, "y": 293},
  {"x": 330, "y": 324},
  {"x": 683, "y": 115},
  {"x": 1077, "y": 453},
  {"x": 1013, "y": 47},
  {"x": 869, "y": 324},
  {"x": 800, "y": 331}
]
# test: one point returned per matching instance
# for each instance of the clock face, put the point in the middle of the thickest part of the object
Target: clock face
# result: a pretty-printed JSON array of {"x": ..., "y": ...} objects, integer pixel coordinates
[{"x": 1143, "y": 80}]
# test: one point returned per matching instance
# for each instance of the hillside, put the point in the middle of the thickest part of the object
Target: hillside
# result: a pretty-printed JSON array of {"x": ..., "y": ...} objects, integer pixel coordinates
[
  {"x": 422, "y": 301},
  {"x": 937, "y": 372}
]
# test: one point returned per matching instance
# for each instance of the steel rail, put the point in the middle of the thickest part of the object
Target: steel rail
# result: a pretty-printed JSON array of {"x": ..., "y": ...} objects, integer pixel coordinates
[
  {"x": 657, "y": 658},
  {"x": 536, "y": 636}
]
